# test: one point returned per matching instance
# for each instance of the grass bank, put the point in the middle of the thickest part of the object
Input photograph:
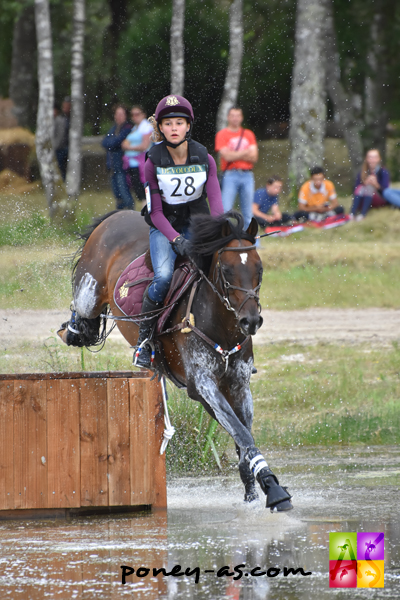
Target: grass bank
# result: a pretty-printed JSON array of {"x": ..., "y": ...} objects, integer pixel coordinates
[{"x": 303, "y": 395}]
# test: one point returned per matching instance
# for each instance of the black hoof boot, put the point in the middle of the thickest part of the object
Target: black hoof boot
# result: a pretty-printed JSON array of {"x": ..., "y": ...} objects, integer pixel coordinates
[{"x": 278, "y": 498}]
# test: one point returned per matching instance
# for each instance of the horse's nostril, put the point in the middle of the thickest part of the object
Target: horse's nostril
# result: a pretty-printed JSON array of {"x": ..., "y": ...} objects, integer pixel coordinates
[
  {"x": 260, "y": 322},
  {"x": 244, "y": 324}
]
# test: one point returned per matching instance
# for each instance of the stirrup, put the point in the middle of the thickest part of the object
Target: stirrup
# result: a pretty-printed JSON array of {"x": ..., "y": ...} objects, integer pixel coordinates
[{"x": 139, "y": 348}]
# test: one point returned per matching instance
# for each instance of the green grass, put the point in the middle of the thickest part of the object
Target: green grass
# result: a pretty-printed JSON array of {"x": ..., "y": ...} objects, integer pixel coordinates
[{"x": 327, "y": 394}]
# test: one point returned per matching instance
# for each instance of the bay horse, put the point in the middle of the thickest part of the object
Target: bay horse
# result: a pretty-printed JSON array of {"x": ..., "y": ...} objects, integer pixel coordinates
[{"x": 214, "y": 360}]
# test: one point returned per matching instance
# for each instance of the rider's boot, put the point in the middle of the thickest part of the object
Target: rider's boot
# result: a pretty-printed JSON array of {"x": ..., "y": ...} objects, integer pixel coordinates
[
  {"x": 278, "y": 498},
  {"x": 143, "y": 351}
]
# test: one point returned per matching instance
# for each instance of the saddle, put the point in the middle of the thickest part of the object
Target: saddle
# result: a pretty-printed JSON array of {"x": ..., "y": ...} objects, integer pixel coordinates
[{"x": 133, "y": 281}]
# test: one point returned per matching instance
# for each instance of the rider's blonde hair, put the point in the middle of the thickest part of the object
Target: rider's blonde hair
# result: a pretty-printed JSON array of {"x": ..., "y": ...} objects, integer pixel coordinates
[{"x": 156, "y": 135}]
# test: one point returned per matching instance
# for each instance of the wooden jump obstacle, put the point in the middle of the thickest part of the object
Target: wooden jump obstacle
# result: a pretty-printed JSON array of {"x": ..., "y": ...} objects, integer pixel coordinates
[{"x": 73, "y": 443}]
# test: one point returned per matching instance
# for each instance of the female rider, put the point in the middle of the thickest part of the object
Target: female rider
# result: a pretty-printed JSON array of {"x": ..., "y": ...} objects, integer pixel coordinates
[{"x": 181, "y": 175}]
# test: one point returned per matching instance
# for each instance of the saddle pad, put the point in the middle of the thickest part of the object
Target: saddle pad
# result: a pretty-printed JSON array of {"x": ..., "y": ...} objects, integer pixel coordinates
[
  {"x": 128, "y": 297},
  {"x": 132, "y": 283}
]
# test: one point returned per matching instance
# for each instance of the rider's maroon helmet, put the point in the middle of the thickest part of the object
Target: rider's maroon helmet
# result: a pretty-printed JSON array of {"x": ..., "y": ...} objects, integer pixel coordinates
[{"x": 174, "y": 106}]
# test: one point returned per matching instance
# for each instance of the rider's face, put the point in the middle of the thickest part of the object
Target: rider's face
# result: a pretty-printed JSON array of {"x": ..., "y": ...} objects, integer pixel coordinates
[{"x": 174, "y": 129}]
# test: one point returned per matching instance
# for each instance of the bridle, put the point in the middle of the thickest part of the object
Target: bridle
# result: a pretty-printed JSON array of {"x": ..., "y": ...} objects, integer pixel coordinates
[{"x": 219, "y": 277}]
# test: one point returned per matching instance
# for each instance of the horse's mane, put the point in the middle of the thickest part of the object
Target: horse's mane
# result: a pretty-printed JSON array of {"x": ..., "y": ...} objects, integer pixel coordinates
[
  {"x": 85, "y": 234},
  {"x": 209, "y": 234}
]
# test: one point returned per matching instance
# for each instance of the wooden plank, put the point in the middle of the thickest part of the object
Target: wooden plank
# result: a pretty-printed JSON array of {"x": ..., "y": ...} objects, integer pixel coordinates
[
  {"x": 140, "y": 430},
  {"x": 119, "y": 486},
  {"x": 156, "y": 418},
  {"x": 94, "y": 481},
  {"x": 36, "y": 442},
  {"x": 6, "y": 445},
  {"x": 20, "y": 426},
  {"x": 72, "y": 375},
  {"x": 63, "y": 443}
]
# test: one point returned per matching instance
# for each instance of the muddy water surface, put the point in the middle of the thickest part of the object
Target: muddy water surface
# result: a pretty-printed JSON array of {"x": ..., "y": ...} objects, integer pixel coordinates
[{"x": 208, "y": 526}]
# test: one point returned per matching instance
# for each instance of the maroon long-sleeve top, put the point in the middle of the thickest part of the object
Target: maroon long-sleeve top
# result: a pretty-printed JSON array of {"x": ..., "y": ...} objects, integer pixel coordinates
[{"x": 157, "y": 216}]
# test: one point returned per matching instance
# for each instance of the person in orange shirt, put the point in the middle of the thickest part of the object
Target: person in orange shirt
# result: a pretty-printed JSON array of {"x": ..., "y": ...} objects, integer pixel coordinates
[
  {"x": 317, "y": 198},
  {"x": 238, "y": 152}
]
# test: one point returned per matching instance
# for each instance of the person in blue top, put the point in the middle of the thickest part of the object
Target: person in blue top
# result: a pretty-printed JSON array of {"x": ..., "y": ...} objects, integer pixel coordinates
[
  {"x": 135, "y": 147},
  {"x": 266, "y": 204},
  {"x": 112, "y": 143}
]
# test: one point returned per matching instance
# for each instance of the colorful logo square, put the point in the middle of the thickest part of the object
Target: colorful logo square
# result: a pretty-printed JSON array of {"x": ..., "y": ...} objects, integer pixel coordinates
[
  {"x": 343, "y": 546},
  {"x": 370, "y": 546},
  {"x": 342, "y": 573},
  {"x": 370, "y": 573}
]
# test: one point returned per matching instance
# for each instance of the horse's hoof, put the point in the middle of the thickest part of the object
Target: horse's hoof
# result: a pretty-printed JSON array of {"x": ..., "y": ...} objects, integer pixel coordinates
[
  {"x": 283, "y": 506},
  {"x": 252, "y": 497},
  {"x": 277, "y": 495}
]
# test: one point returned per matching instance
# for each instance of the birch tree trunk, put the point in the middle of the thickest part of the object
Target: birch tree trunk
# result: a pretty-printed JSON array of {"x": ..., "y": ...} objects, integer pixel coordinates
[
  {"x": 177, "y": 47},
  {"x": 375, "y": 115},
  {"x": 232, "y": 78},
  {"x": 50, "y": 174},
  {"x": 22, "y": 76},
  {"x": 342, "y": 102},
  {"x": 308, "y": 98},
  {"x": 73, "y": 179}
]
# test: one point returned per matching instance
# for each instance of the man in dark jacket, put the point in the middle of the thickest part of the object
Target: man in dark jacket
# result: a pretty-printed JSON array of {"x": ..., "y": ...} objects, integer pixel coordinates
[{"x": 112, "y": 143}]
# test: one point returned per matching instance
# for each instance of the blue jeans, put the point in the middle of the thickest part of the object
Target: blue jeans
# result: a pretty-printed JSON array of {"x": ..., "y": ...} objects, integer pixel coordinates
[
  {"x": 392, "y": 196},
  {"x": 242, "y": 183},
  {"x": 120, "y": 190},
  {"x": 362, "y": 204},
  {"x": 163, "y": 259}
]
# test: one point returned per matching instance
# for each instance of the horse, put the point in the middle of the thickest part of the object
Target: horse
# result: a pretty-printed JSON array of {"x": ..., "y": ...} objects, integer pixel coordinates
[{"x": 221, "y": 311}]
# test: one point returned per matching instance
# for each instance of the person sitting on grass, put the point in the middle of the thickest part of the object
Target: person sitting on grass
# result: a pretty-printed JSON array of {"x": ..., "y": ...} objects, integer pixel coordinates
[
  {"x": 317, "y": 198},
  {"x": 371, "y": 183},
  {"x": 265, "y": 201}
]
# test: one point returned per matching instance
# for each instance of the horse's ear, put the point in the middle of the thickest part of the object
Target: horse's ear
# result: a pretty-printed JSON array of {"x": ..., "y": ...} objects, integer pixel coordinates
[
  {"x": 253, "y": 228},
  {"x": 226, "y": 228}
]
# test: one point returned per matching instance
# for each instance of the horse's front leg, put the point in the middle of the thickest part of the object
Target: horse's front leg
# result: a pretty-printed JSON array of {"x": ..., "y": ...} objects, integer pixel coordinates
[{"x": 201, "y": 383}]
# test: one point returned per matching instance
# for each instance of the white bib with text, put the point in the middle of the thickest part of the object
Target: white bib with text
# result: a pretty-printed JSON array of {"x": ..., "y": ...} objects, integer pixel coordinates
[{"x": 179, "y": 185}]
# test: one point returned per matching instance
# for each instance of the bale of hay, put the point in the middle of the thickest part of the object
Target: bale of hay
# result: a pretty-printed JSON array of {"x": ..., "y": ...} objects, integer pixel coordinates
[
  {"x": 12, "y": 184},
  {"x": 17, "y": 135}
]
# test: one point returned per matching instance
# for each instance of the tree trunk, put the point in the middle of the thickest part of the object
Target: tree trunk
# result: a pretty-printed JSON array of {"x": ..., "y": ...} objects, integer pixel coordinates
[
  {"x": 177, "y": 47},
  {"x": 73, "y": 180},
  {"x": 375, "y": 115},
  {"x": 50, "y": 174},
  {"x": 232, "y": 78},
  {"x": 308, "y": 98},
  {"x": 341, "y": 101},
  {"x": 22, "y": 78}
]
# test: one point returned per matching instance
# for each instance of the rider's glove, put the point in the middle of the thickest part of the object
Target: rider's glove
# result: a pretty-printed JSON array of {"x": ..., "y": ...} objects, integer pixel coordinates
[{"x": 180, "y": 245}]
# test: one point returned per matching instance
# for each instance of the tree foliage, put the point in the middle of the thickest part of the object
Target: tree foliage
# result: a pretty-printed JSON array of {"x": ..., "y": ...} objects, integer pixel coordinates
[{"x": 127, "y": 55}]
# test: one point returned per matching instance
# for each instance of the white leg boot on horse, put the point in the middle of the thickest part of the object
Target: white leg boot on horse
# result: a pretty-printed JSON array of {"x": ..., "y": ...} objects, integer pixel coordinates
[{"x": 144, "y": 352}]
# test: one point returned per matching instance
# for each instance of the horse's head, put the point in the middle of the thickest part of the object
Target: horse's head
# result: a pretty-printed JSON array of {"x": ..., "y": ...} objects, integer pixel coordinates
[
  {"x": 237, "y": 270},
  {"x": 221, "y": 247}
]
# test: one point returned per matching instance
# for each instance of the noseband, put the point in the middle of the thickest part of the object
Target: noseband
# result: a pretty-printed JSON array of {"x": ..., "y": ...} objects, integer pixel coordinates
[{"x": 219, "y": 276}]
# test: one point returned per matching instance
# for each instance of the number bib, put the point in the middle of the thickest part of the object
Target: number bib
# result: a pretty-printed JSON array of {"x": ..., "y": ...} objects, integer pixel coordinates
[{"x": 179, "y": 185}]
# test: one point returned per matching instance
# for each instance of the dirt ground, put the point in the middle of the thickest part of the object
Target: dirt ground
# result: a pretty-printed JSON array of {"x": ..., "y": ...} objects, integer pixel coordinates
[{"x": 352, "y": 326}]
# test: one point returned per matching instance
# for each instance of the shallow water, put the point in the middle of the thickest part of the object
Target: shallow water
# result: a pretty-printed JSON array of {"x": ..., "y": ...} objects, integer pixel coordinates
[{"x": 208, "y": 526}]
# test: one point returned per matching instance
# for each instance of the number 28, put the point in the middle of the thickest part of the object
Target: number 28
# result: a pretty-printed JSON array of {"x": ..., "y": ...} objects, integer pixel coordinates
[{"x": 189, "y": 189}]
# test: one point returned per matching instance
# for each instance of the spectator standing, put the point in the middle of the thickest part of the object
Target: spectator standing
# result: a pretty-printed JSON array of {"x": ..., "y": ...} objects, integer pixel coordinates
[
  {"x": 135, "y": 146},
  {"x": 266, "y": 200},
  {"x": 238, "y": 152},
  {"x": 60, "y": 139},
  {"x": 371, "y": 182},
  {"x": 112, "y": 143},
  {"x": 317, "y": 198}
]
